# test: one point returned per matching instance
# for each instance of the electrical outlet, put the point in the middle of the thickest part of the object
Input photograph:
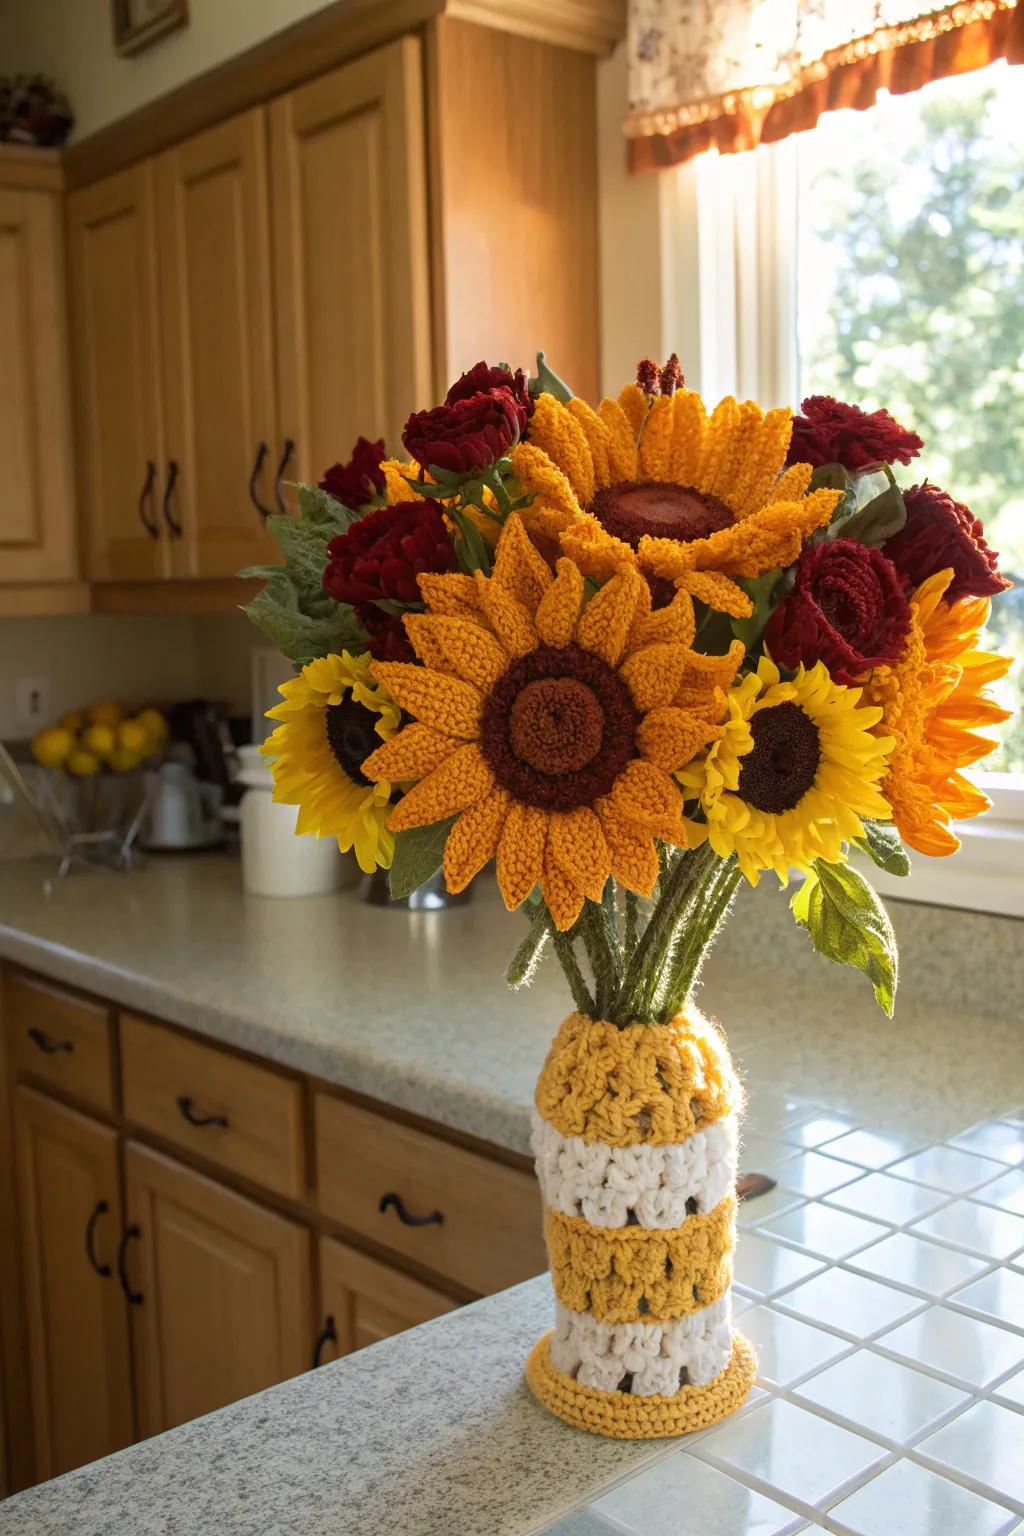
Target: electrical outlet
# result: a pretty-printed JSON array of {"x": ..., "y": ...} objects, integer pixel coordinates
[{"x": 32, "y": 702}]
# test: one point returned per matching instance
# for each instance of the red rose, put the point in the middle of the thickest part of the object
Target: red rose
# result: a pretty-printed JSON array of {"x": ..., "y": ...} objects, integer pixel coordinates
[
  {"x": 847, "y": 609},
  {"x": 388, "y": 639},
  {"x": 468, "y": 434},
  {"x": 939, "y": 533},
  {"x": 832, "y": 432},
  {"x": 381, "y": 555},
  {"x": 481, "y": 378},
  {"x": 360, "y": 480}
]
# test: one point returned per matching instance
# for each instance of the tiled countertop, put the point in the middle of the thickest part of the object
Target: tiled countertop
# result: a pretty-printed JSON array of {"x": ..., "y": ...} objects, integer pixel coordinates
[{"x": 882, "y": 1283}]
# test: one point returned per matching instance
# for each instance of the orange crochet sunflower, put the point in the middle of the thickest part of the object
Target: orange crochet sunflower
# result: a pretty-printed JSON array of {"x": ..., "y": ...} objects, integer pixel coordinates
[
  {"x": 695, "y": 499},
  {"x": 934, "y": 702},
  {"x": 550, "y": 725}
]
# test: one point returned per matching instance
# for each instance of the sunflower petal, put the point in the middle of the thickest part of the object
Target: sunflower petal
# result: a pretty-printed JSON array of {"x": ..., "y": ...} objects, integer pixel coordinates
[
  {"x": 606, "y": 620},
  {"x": 596, "y": 552},
  {"x": 412, "y": 754},
  {"x": 451, "y": 593},
  {"x": 541, "y": 478},
  {"x": 670, "y": 737},
  {"x": 462, "y": 779},
  {"x": 521, "y": 852},
  {"x": 474, "y": 839},
  {"x": 577, "y": 844},
  {"x": 645, "y": 794},
  {"x": 510, "y": 620},
  {"x": 718, "y": 592},
  {"x": 597, "y": 435},
  {"x": 672, "y": 625},
  {"x": 556, "y": 432},
  {"x": 632, "y": 856},
  {"x": 655, "y": 456},
  {"x": 519, "y": 566},
  {"x": 563, "y": 896},
  {"x": 634, "y": 405},
  {"x": 622, "y": 438},
  {"x": 560, "y": 606},
  {"x": 765, "y": 457},
  {"x": 654, "y": 674},
  {"x": 689, "y": 423},
  {"x": 446, "y": 703},
  {"x": 461, "y": 647}
]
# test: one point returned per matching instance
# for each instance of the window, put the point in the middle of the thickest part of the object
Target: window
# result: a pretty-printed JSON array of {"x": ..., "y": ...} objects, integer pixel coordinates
[{"x": 880, "y": 258}]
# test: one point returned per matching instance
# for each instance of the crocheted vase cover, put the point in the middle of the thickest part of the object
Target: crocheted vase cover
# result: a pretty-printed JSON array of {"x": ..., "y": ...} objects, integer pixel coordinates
[{"x": 635, "y": 1136}]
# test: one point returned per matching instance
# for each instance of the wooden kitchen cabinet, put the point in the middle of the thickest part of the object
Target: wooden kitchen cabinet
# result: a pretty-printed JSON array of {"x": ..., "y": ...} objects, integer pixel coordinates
[
  {"x": 351, "y": 256},
  {"x": 213, "y": 235},
  {"x": 363, "y": 1301},
  {"x": 123, "y": 472},
  {"x": 38, "y": 543},
  {"x": 223, "y": 1288},
  {"x": 78, "y": 1344}
]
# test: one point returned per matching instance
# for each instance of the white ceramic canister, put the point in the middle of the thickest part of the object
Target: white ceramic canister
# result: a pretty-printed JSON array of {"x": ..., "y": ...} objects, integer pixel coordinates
[{"x": 274, "y": 861}]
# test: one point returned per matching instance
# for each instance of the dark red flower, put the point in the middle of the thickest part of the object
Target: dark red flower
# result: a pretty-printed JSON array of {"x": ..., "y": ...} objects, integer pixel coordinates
[
  {"x": 468, "y": 434},
  {"x": 940, "y": 532},
  {"x": 361, "y": 479},
  {"x": 482, "y": 378},
  {"x": 655, "y": 380},
  {"x": 832, "y": 432},
  {"x": 388, "y": 639},
  {"x": 847, "y": 609},
  {"x": 381, "y": 555}
]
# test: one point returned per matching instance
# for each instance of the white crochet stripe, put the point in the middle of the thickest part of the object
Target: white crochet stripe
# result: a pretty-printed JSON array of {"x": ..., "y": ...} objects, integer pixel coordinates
[
  {"x": 658, "y": 1357},
  {"x": 606, "y": 1184}
]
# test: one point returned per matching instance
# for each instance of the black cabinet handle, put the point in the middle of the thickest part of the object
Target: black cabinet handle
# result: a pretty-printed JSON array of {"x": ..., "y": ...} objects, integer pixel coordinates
[
  {"x": 146, "y": 502},
  {"x": 99, "y": 1209},
  {"x": 254, "y": 496},
  {"x": 46, "y": 1044},
  {"x": 286, "y": 454},
  {"x": 134, "y": 1297},
  {"x": 169, "y": 518},
  {"x": 328, "y": 1335},
  {"x": 434, "y": 1219},
  {"x": 188, "y": 1113}
]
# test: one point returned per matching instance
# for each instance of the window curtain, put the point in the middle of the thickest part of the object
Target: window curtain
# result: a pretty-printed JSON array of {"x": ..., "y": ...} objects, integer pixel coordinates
[{"x": 732, "y": 74}]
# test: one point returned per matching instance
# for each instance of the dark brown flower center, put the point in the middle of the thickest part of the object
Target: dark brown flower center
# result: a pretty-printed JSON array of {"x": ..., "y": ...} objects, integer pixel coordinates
[
  {"x": 352, "y": 736},
  {"x": 559, "y": 727},
  {"x": 629, "y": 510},
  {"x": 780, "y": 767}
]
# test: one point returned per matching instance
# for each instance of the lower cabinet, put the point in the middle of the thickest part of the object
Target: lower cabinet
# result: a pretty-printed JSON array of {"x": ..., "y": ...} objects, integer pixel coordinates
[
  {"x": 364, "y": 1301},
  {"x": 70, "y": 1209},
  {"x": 220, "y": 1292}
]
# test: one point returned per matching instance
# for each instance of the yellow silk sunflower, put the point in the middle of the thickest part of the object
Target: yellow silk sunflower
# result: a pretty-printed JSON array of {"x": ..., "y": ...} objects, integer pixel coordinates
[
  {"x": 695, "y": 499},
  {"x": 796, "y": 767},
  {"x": 933, "y": 702},
  {"x": 550, "y": 725},
  {"x": 332, "y": 716}
]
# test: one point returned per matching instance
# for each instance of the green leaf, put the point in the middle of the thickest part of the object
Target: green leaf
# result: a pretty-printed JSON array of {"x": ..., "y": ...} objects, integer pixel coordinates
[
  {"x": 833, "y": 477},
  {"x": 418, "y": 855},
  {"x": 303, "y": 636},
  {"x": 877, "y": 520},
  {"x": 766, "y": 592},
  {"x": 471, "y": 549},
  {"x": 319, "y": 510},
  {"x": 848, "y": 924},
  {"x": 547, "y": 382},
  {"x": 304, "y": 546},
  {"x": 882, "y": 843}
]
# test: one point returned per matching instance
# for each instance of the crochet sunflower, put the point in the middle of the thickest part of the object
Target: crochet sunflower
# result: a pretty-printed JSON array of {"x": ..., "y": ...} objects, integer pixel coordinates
[
  {"x": 697, "y": 500},
  {"x": 549, "y": 725},
  {"x": 796, "y": 767},
  {"x": 332, "y": 716}
]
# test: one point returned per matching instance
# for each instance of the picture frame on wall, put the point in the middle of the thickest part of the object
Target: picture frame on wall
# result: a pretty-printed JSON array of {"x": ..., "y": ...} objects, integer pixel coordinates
[{"x": 140, "y": 23}]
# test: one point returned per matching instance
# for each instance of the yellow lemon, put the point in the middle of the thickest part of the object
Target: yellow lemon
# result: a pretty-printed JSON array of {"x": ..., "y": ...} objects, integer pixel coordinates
[
  {"x": 82, "y": 763},
  {"x": 124, "y": 759},
  {"x": 100, "y": 740},
  {"x": 155, "y": 727},
  {"x": 51, "y": 747},
  {"x": 132, "y": 736},
  {"x": 73, "y": 721},
  {"x": 106, "y": 712}
]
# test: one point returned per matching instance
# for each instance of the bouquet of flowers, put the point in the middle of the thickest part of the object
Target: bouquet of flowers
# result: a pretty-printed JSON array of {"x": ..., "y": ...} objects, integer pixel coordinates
[{"x": 636, "y": 654}]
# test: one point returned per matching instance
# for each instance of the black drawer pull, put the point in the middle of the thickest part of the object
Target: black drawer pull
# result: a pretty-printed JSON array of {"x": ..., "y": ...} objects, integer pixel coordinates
[
  {"x": 188, "y": 1113},
  {"x": 434, "y": 1219},
  {"x": 46, "y": 1044},
  {"x": 286, "y": 455},
  {"x": 173, "y": 525},
  {"x": 261, "y": 454},
  {"x": 134, "y": 1297},
  {"x": 327, "y": 1335},
  {"x": 100, "y": 1209},
  {"x": 146, "y": 502}
]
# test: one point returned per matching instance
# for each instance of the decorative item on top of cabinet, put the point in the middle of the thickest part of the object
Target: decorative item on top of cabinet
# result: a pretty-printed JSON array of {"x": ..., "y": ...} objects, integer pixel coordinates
[
  {"x": 38, "y": 544},
  {"x": 70, "y": 1204}
]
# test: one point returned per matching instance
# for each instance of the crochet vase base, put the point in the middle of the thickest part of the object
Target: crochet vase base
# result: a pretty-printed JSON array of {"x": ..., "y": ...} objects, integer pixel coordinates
[{"x": 627, "y": 1416}]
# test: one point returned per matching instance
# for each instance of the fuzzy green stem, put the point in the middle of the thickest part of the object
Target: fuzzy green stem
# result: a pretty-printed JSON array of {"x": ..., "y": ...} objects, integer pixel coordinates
[
  {"x": 563, "y": 943},
  {"x": 631, "y": 930},
  {"x": 703, "y": 926},
  {"x": 644, "y": 971},
  {"x": 603, "y": 963}
]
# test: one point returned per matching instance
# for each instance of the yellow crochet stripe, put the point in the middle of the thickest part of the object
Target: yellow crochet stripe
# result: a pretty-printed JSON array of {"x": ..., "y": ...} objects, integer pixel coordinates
[
  {"x": 647, "y": 1083},
  {"x": 641, "y": 1274},
  {"x": 624, "y": 1416}
]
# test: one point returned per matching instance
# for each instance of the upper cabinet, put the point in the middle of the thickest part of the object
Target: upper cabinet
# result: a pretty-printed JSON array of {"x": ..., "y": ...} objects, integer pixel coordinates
[{"x": 37, "y": 510}]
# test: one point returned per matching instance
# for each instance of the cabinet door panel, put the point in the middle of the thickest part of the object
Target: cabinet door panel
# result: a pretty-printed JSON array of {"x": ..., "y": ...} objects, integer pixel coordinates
[
  {"x": 37, "y": 510},
  {"x": 351, "y": 255},
  {"x": 116, "y": 372},
  {"x": 369, "y": 1301},
  {"x": 78, "y": 1329},
  {"x": 213, "y": 224},
  {"x": 225, "y": 1307}
]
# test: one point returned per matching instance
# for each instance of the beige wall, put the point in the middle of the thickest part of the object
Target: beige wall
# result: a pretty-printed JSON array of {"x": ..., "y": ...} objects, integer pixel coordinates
[{"x": 72, "y": 40}]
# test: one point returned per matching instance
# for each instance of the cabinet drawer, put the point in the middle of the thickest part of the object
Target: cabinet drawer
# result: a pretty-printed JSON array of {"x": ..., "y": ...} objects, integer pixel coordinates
[
  {"x": 246, "y": 1118},
  {"x": 489, "y": 1235},
  {"x": 59, "y": 1039},
  {"x": 364, "y": 1300}
]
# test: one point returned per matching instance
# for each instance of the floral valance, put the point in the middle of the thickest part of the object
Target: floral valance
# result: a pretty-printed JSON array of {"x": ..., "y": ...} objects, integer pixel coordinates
[{"x": 732, "y": 74}]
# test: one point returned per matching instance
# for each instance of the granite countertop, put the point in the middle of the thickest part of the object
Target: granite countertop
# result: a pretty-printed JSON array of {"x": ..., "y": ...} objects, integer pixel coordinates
[{"x": 411, "y": 1008}]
